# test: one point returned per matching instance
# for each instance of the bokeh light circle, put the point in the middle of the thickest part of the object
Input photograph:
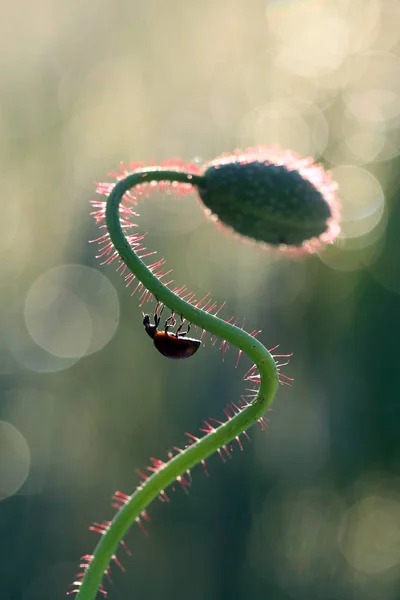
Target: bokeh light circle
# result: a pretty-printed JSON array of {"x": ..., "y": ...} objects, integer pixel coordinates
[
  {"x": 14, "y": 459},
  {"x": 370, "y": 535},
  {"x": 374, "y": 92},
  {"x": 362, "y": 200},
  {"x": 365, "y": 146},
  {"x": 71, "y": 311}
]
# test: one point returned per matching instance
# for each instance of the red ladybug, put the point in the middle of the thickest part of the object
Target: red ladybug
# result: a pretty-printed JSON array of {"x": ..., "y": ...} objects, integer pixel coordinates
[{"x": 172, "y": 345}]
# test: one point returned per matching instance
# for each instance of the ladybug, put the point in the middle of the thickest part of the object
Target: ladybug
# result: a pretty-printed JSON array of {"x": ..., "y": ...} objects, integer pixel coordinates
[{"x": 172, "y": 345}]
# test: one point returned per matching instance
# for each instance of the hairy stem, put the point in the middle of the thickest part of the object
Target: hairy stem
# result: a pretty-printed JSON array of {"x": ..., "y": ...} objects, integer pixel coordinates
[{"x": 211, "y": 442}]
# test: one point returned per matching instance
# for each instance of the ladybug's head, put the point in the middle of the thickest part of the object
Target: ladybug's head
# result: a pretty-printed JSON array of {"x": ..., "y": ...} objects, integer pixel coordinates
[{"x": 150, "y": 329}]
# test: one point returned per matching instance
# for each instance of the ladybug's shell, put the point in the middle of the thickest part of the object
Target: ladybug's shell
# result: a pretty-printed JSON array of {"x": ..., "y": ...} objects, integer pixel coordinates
[{"x": 175, "y": 346}]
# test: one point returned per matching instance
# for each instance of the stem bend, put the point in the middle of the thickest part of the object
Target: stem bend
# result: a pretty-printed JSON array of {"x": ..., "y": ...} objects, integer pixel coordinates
[{"x": 210, "y": 443}]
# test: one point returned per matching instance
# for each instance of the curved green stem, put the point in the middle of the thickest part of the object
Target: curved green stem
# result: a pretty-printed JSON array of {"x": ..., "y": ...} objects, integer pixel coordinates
[{"x": 211, "y": 442}]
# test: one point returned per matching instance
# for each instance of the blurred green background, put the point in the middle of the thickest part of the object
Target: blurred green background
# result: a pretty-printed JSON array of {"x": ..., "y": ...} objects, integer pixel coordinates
[{"x": 311, "y": 509}]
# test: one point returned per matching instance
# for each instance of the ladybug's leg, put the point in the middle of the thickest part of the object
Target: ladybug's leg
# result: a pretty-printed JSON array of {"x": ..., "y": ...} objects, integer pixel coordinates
[
  {"x": 179, "y": 330},
  {"x": 170, "y": 322},
  {"x": 158, "y": 312},
  {"x": 159, "y": 308}
]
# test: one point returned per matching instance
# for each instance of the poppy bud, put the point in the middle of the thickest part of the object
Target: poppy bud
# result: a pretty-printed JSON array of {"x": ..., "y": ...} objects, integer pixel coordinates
[{"x": 273, "y": 198}]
